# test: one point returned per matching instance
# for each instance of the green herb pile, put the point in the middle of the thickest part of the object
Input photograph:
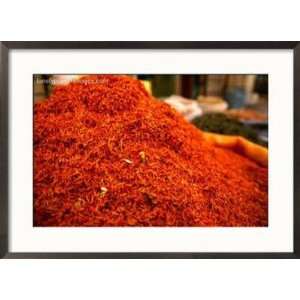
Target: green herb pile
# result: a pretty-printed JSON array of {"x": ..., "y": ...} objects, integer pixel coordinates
[{"x": 220, "y": 123}]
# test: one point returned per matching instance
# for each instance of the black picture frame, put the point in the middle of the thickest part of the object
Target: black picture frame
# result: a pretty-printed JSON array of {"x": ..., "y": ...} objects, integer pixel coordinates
[{"x": 5, "y": 48}]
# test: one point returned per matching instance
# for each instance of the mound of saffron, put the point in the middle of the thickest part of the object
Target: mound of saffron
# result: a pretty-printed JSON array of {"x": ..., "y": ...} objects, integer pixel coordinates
[{"x": 106, "y": 153}]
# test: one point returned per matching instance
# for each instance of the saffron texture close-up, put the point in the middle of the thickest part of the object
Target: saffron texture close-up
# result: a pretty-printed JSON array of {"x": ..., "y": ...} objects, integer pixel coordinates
[{"x": 108, "y": 153}]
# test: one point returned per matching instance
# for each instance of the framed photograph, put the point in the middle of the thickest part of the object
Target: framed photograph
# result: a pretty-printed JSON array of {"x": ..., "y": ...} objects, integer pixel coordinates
[{"x": 150, "y": 150}]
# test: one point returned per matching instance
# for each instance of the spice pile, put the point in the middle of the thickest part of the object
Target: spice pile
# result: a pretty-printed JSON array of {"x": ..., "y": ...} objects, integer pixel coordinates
[
  {"x": 221, "y": 123},
  {"x": 108, "y": 154}
]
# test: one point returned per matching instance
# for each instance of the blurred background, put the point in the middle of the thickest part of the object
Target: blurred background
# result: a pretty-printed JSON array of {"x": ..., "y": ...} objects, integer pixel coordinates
[{"x": 232, "y": 104}]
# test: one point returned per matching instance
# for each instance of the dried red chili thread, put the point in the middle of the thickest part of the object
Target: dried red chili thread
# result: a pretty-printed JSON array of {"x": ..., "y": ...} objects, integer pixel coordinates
[{"x": 83, "y": 136}]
